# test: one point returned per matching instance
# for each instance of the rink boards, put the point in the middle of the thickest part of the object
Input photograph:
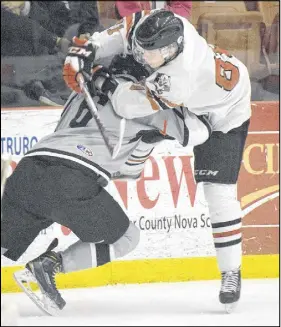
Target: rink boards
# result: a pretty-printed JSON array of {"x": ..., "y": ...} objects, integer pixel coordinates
[{"x": 168, "y": 207}]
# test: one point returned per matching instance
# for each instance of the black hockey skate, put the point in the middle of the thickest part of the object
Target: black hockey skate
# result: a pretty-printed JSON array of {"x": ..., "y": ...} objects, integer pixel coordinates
[
  {"x": 42, "y": 271},
  {"x": 230, "y": 289}
]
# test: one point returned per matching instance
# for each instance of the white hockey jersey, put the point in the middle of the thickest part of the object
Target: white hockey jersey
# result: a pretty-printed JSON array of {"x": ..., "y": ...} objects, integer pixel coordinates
[{"x": 203, "y": 78}]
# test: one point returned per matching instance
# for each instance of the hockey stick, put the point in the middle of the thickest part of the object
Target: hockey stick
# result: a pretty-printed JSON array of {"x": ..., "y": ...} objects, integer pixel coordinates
[{"x": 113, "y": 150}]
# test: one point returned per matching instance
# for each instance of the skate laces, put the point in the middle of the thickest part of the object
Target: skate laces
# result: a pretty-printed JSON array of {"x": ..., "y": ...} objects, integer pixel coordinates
[
  {"x": 53, "y": 274},
  {"x": 57, "y": 268},
  {"x": 230, "y": 281}
]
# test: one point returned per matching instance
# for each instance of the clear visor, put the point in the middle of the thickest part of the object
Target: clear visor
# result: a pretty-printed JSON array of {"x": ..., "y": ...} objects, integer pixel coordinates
[
  {"x": 146, "y": 56},
  {"x": 138, "y": 52}
]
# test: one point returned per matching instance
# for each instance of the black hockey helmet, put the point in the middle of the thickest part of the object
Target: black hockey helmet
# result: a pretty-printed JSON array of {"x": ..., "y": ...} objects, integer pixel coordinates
[{"x": 160, "y": 29}]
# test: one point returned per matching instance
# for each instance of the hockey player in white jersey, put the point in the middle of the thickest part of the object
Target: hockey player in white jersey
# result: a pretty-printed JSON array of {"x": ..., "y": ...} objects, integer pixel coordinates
[
  {"x": 184, "y": 71},
  {"x": 62, "y": 179}
]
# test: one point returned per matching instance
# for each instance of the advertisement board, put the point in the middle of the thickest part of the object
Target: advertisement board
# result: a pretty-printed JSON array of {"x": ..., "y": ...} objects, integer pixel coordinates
[{"x": 165, "y": 203}]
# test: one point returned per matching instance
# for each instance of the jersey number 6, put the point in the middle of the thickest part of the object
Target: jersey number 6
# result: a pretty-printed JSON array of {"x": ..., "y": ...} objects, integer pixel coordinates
[{"x": 227, "y": 74}]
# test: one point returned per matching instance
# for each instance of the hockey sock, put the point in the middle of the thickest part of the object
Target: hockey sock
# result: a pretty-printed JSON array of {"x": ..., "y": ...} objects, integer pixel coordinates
[
  {"x": 225, "y": 215},
  {"x": 81, "y": 255}
]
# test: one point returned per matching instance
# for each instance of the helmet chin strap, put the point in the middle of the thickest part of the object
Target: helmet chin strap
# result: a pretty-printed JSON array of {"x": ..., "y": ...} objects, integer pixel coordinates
[{"x": 150, "y": 69}]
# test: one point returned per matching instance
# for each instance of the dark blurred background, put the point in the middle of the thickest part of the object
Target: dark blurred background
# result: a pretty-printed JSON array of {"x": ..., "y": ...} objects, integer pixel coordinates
[{"x": 35, "y": 36}]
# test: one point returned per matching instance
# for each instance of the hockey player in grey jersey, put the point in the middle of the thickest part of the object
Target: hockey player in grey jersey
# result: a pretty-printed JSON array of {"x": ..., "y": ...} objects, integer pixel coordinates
[{"x": 62, "y": 179}]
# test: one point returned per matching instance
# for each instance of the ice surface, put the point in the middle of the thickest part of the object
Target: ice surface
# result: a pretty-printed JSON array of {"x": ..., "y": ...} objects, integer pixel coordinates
[{"x": 158, "y": 304}]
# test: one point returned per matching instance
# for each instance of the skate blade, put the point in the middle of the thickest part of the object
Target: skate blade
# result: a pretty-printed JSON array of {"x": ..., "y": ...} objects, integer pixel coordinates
[
  {"x": 44, "y": 303},
  {"x": 229, "y": 307}
]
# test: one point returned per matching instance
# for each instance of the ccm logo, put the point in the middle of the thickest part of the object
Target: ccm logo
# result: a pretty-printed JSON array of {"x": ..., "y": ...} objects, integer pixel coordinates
[{"x": 205, "y": 172}]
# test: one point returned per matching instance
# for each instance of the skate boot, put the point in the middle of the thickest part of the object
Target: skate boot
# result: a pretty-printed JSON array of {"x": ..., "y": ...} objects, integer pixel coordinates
[
  {"x": 42, "y": 271},
  {"x": 230, "y": 289}
]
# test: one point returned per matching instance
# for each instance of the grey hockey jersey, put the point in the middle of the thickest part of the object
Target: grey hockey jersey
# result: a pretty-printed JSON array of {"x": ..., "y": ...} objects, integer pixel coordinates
[{"x": 77, "y": 137}]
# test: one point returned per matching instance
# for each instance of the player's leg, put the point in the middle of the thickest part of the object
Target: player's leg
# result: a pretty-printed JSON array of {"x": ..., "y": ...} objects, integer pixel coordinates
[
  {"x": 84, "y": 255},
  {"x": 78, "y": 256},
  {"x": 20, "y": 225},
  {"x": 98, "y": 221},
  {"x": 23, "y": 208},
  {"x": 217, "y": 165}
]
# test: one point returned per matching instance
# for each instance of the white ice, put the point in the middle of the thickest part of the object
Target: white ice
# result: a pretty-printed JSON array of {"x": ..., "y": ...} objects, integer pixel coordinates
[{"x": 158, "y": 304}]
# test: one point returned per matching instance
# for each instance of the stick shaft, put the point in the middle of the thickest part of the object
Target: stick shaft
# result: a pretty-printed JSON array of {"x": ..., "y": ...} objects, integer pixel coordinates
[{"x": 94, "y": 111}]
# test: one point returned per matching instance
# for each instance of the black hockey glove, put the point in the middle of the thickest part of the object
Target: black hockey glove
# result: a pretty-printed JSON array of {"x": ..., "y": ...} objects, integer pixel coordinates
[{"x": 103, "y": 81}]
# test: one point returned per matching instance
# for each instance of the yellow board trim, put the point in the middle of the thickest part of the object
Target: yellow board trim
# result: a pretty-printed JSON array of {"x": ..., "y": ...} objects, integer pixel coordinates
[{"x": 153, "y": 270}]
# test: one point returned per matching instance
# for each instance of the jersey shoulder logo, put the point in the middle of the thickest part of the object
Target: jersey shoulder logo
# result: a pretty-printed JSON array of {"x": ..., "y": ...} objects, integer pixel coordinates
[
  {"x": 162, "y": 83},
  {"x": 85, "y": 150}
]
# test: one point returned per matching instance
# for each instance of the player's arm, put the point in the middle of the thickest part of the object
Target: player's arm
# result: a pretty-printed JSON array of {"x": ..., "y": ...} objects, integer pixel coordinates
[
  {"x": 160, "y": 91},
  {"x": 110, "y": 41},
  {"x": 132, "y": 99},
  {"x": 188, "y": 128},
  {"x": 118, "y": 38},
  {"x": 87, "y": 52}
]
